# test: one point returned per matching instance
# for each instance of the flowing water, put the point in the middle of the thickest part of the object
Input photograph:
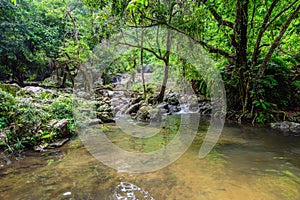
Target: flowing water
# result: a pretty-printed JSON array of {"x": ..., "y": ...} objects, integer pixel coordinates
[{"x": 247, "y": 163}]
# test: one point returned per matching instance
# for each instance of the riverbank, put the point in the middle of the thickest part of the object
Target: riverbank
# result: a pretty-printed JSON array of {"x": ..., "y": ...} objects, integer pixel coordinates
[{"x": 37, "y": 118}]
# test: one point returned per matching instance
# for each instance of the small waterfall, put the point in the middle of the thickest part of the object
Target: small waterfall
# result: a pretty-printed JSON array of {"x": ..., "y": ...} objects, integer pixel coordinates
[{"x": 188, "y": 108}]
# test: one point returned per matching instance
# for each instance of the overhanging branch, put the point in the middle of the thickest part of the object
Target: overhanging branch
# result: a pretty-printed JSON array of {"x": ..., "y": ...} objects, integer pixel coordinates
[
  {"x": 220, "y": 20},
  {"x": 276, "y": 42}
]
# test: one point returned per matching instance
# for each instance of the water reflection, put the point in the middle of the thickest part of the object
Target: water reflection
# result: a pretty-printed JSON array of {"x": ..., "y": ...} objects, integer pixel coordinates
[{"x": 248, "y": 163}]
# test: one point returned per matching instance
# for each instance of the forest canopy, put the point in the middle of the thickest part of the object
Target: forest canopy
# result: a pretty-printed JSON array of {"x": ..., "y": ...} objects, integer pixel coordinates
[{"x": 254, "y": 43}]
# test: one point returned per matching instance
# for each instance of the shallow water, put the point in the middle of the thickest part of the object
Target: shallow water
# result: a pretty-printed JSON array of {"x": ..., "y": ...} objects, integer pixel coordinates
[{"x": 247, "y": 163}]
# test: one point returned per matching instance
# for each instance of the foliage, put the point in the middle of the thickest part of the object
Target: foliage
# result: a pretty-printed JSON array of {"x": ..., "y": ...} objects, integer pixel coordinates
[
  {"x": 253, "y": 43},
  {"x": 25, "y": 123}
]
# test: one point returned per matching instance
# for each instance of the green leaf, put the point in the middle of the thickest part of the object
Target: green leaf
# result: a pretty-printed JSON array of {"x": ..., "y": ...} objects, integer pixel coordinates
[{"x": 263, "y": 105}]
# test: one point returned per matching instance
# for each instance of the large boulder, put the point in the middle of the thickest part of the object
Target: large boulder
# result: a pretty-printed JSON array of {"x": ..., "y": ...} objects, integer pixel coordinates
[{"x": 143, "y": 113}]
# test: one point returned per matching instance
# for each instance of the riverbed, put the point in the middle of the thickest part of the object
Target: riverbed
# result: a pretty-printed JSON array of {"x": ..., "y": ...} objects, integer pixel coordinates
[{"x": 247, "y": 163}]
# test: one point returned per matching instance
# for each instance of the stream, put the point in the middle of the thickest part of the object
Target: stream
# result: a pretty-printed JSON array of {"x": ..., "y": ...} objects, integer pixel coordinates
[{"x": 247, "y": 163}]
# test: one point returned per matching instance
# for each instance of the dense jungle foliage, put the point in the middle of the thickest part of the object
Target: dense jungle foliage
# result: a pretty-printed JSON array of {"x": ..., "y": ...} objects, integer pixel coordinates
[{"x": 254, "y": 44}]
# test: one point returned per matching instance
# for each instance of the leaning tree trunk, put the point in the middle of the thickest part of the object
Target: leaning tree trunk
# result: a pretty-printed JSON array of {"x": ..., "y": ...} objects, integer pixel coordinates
[
  {"x": 166, "y": 60},
  {"x": 142, "y": 64}
]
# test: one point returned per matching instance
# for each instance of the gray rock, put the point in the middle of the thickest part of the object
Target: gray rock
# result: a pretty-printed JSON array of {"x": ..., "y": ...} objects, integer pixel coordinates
[
  {"x": 173, "y": 109},
  {"x": 60, "y": 126},
  {"x": 95, "y": 122},
  {"x": 34, "y": 89},
  {"x": 156, "y": 114},
  {"x": 127, "y": 190},
  {"x": 287, "y": 126},
  {"x": 295, "y": 127},
  {"x": 283, "y": 126}
]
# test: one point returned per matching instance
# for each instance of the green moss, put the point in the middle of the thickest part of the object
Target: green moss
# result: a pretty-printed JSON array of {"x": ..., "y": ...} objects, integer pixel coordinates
[{"x": 9, "y": 88}]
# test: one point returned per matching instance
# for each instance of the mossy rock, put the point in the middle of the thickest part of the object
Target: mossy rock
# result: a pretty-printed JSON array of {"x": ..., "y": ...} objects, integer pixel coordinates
[{"x": 10, "y": 88}]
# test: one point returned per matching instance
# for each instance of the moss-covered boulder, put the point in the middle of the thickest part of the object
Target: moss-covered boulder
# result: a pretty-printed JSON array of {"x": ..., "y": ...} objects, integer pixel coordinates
[{"x": 10, "y": 88}]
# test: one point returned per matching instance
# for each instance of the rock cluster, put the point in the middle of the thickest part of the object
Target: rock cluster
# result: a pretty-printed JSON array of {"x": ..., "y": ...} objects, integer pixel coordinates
[
  {"x": 286, "y": 126},
  {"x": 111, "y": 103}
]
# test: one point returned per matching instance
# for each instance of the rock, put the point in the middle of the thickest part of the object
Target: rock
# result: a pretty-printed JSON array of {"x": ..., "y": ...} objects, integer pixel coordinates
[
  {"x": 205, "y": 108},
  {"x": 283, "y": 126},
  {"x": 136, "y": 100},
  {"x": 143, "y": 113},
  {"x": 133, "y": 108},
  {"x": 34, "y": 89},
  {"x": 58, "y": 143},
  {"x": 3, "y": 137},
  {"x": 287, "y": 126},
  {"x": 104, "y": 108},
  {"x": 173, "y": 109},
  {"x": 163, "y": 105},
  {"x": 110, "y": 93},
  {"x": 295, "y": 127},
  {"x": 172, "y": 99},
  {"x": 105, "y": 117},
  {"x": 95, "y": 122},
  {"x": 60, "y": 126},
  {"x": 156, "y": 114},
  {"x": 67, "y": 193},
  {"x": 84, "y": 95},
  {"x": 10, "y": 88},
  {"x": 127, "y": 190}
]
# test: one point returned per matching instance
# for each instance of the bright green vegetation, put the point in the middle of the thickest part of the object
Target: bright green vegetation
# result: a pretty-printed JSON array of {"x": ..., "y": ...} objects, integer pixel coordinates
[
  {"x": 254, "y": 45},
  {"x": 26, "y": 118}
]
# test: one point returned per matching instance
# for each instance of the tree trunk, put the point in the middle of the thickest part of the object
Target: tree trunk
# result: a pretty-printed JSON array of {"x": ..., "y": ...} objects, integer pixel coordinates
[
  {"x": 241, "y": 24},
  {"x": 142, "y": 64},
  {"x": 161, "y": 95}
]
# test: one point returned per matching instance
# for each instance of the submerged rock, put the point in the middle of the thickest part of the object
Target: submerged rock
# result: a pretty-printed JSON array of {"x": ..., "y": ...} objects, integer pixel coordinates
[{"x": 130, "y": 191}]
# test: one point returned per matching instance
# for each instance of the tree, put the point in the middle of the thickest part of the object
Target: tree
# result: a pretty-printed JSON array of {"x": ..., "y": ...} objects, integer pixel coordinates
[
  {"x": 27, "y": 40},
  {"x": 246, "y": 33}
]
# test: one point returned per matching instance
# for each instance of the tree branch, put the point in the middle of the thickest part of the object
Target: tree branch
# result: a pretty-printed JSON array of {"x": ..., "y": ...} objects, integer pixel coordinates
[
  {"x": 276, "y": 43},
  {"x": 260, "y": 34},
  {"x": 141, "y": 47},
  {"x": 220, "y": 20},
  {"x": 210, "y": 48},
  {"x": 281, "y": 12}
]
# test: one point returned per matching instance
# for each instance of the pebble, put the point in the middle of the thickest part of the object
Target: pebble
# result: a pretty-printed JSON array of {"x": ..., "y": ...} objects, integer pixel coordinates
[{"x": 67, "y": 193}]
